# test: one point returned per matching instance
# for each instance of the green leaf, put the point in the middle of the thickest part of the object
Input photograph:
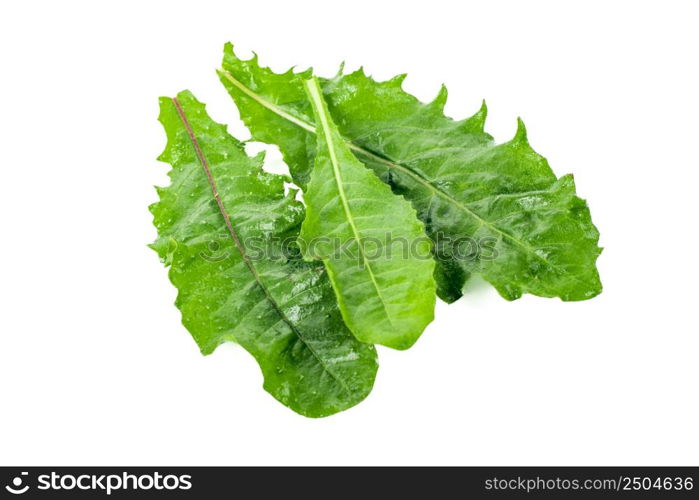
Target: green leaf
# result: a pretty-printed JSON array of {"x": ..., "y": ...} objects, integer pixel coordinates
[
  {"x": 227, "y": 231},
  {"x": 371, "y": 242},
  {"x": 492, "y": 209}
]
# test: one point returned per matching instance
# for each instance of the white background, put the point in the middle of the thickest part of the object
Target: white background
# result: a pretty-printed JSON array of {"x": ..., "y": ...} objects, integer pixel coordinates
[{"x": 95, "y": 366}]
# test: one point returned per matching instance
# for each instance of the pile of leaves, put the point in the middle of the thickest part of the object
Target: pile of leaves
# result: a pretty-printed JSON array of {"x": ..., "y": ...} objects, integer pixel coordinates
[{"x": 401, "y": 204}]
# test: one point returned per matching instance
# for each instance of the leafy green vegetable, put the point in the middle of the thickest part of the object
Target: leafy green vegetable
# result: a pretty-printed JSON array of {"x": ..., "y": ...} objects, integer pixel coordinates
[
  {"x": 383, "y": 275},
  {"x": 495, "y": 210},
  {"x": 213, "y": 218}
]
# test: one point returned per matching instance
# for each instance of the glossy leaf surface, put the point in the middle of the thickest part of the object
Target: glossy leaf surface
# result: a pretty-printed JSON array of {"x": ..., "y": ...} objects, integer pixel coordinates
[
  {"x": 497, "y": 210},
  {"x": 227, "y": 231},
  {"x": 371, "y": 241}
]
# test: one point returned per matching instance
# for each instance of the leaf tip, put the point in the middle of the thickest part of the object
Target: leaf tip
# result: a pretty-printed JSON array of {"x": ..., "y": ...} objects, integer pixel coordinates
[
  {"x": 340, "y": 70},
  {"x": 521, "y": 134},
  {"x": 397, "y": 81},
  {"x": 483, "y": 110},
  {"x": 441, "y": 99},
  {"x": 475, "y": 122},
  {"x": 259, "y": 158},
  {"x": 481, "y": 115}
]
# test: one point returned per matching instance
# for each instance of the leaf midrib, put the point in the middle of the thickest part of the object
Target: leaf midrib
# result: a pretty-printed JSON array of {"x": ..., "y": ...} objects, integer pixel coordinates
[
  {"x": 246, "y": 258},
  {"x": 314, "y": 90},
  {"x": 391, "y": 164}
]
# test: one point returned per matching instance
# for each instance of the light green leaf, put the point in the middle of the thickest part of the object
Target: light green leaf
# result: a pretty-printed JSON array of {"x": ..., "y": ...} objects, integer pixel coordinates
[
  {"x": 228, "y": 232},
  {"x": 492, "y": 209},
  {"x": 371, "y": 242}
]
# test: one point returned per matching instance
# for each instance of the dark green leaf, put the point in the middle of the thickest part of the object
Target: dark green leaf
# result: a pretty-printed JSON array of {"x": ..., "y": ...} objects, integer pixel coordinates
[
  {"x": 227, "y": 231},
  {"x": 372, "y": 243},
  {"x": 494, "y": 210}
]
